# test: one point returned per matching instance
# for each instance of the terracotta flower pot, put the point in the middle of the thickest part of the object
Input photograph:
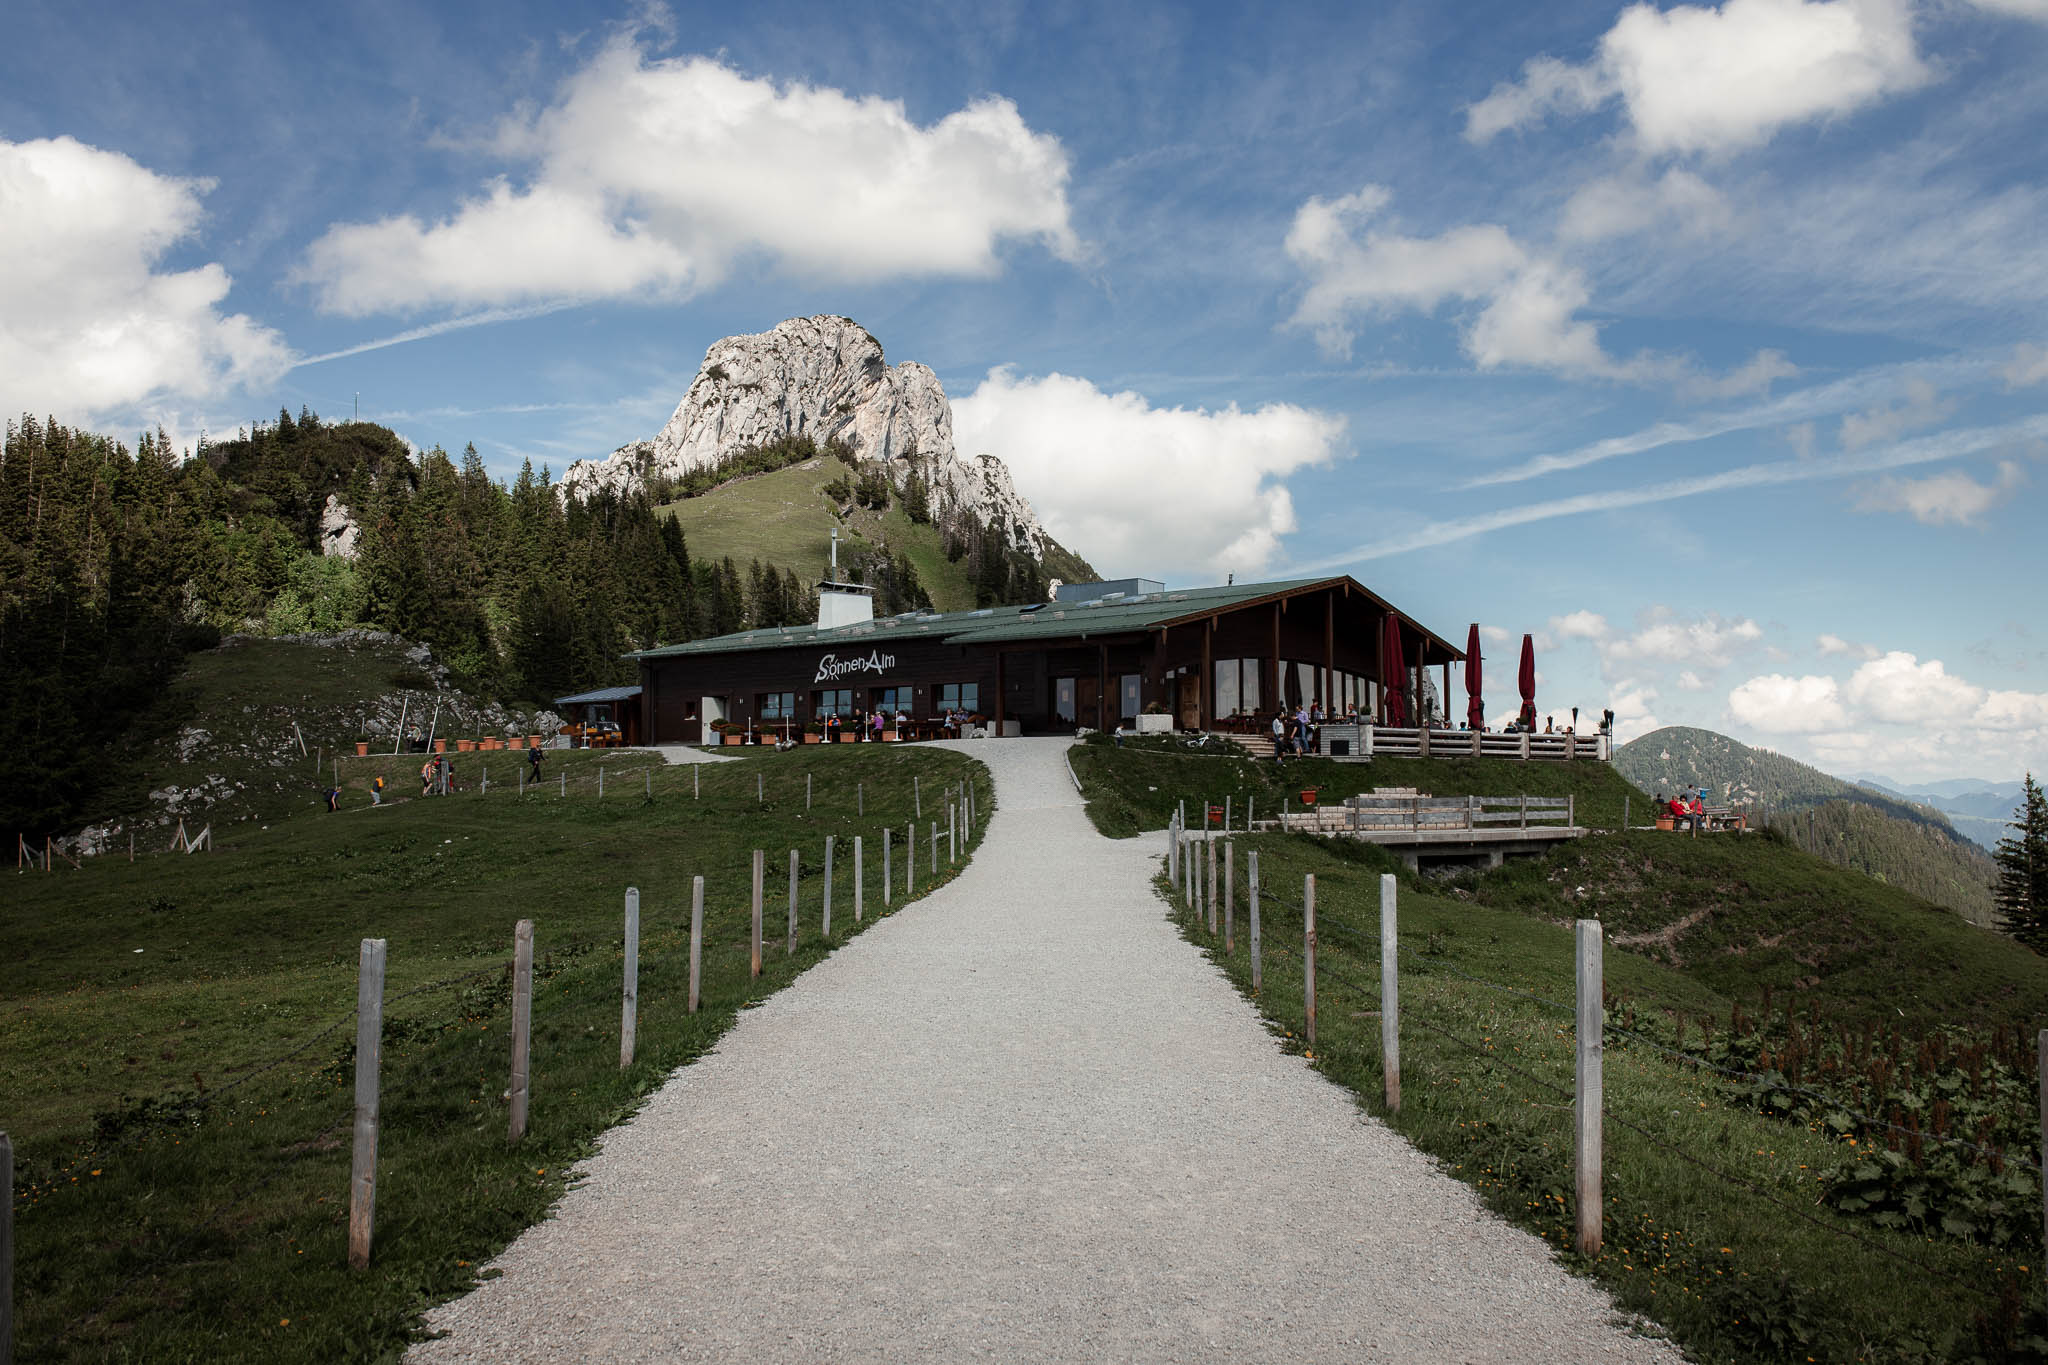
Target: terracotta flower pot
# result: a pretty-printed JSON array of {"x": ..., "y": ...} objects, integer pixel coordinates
[
  {"x": 440, "y": 746},
  {"x": 811, "y": 737},
  {"x": 733, "y": 737},
  {"x": 362, "y": 748},
  {"x": 533, "y": 741},
  {"x": 465, "y": 746}
]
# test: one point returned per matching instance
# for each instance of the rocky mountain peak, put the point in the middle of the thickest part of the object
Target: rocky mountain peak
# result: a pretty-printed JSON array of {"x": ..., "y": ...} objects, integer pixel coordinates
[{"x": 824, "y": 377}]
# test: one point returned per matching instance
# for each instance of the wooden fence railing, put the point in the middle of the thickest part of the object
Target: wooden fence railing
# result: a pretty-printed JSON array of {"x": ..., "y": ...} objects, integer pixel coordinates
[
  {"x": 1433, "y": 814},
  {"x": 1364, "y": 741}
]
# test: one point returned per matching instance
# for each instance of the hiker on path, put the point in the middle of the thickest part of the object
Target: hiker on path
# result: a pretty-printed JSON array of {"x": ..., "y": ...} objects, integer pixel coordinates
[
  {"x": 333, "y": 795},
  {"x": 377, "y": 790},
  {"x": 533, "y": 757},
  {"x": 427, "y": 770}
]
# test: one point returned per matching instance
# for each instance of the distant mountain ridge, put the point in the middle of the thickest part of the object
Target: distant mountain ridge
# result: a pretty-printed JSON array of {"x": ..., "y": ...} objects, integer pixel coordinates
[
  {"x": 1906, "y": 844},
  {"x": 1979, "y": 810}
]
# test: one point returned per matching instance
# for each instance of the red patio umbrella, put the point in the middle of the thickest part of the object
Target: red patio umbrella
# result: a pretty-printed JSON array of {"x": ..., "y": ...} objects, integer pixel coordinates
[
  {"x": 1475, "y": 709},
  {"x": 1527, "y": 679},
  {"x": 1397, "y": 694}
]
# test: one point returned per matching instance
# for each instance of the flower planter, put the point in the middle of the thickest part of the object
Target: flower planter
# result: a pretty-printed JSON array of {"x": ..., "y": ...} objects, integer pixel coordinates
[
  {"x": 811, "y": 737},
  {"x": 889, "y": 735},
  {"x": 362, "y": 748},
  {"x": 440, "y": 746},
  {"x": 1308, "y": 796},
  {"x": 732, "y": 738},
  {"x": 533, "y": 741},
  {"x": 465, "y": 746},
  {"x": 1666, "y": 823},
  {"x": 848, "y": 736},
  {"x": 1153, "y": 725}
]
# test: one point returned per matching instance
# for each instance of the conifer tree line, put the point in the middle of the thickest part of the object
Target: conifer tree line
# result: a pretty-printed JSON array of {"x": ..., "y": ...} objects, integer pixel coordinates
[
  {"x": 2022, "y": 858},
  {"x": 115, "y": 563}
]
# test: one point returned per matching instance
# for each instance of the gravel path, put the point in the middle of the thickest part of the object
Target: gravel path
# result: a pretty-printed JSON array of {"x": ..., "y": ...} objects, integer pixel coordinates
[{"x": 1021, "y": 1120}]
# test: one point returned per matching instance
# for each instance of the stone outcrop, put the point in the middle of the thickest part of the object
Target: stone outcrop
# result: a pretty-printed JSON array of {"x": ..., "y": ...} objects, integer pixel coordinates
[
  {"x": 338, "y": 530},
  {"x": 822, "y": 377}
]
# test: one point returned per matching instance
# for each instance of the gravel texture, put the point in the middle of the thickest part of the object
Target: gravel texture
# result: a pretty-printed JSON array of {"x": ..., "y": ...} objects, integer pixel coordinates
[{"x": 1021, "y": 1120}]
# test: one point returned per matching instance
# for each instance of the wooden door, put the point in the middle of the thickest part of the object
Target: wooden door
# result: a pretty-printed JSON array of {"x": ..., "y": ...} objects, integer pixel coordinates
[{"x": 1188, "y": 705}]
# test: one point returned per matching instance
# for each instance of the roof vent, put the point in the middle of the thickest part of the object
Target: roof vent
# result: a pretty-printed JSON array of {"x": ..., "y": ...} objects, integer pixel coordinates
[
  {"x": 985, "y": 611},
  {"x": 1112, "y": 597}
]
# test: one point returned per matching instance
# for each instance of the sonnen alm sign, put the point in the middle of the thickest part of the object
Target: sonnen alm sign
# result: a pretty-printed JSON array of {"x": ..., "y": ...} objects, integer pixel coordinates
[{"x": 832, "y": 667}]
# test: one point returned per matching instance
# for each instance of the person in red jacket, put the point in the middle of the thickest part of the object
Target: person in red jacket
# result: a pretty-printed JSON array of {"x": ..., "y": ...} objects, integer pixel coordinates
[{"x": 1681, "y": 812}]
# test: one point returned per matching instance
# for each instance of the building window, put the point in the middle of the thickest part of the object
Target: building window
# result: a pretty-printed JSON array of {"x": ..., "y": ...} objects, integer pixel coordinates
[
  {"x": 1226, "y": 688},
  {"x": 775, "y": 705},
  {"x": 892, "y": 699},
  {"x": 1063, "y": 699},
  {"x": 1309, "y": 689},
  {"x": 1248, "y": 683},
  {"x": 1128, "y": 687},
  {"x": 962, "y": 697},
  {"x": 839, "y": 703}
]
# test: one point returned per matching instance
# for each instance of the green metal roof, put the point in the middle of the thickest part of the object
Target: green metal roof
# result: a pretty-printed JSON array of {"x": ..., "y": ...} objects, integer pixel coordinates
[{"x": 1053, "y": 620}]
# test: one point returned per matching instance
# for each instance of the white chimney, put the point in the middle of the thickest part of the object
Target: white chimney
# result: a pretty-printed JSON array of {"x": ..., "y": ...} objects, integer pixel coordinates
[{"x": 842, "y": 604}]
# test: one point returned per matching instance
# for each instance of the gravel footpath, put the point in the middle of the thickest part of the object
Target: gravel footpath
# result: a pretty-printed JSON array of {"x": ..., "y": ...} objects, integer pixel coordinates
[{"x": 1020, "y": 1120}]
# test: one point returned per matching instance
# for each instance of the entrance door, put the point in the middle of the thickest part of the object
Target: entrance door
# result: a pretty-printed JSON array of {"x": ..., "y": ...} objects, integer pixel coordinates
[
  {"x": 713, "y": 709},
  {"x": 1189, "y": 706},
  {"x": 1085, "y": 694}
]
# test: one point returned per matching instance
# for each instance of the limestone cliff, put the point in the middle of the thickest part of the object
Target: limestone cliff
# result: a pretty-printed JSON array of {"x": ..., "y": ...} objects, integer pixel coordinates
[{"x": 822, "y": 377}]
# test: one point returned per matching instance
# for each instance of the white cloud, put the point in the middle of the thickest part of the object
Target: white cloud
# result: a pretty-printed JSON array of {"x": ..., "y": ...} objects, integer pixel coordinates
[
  {"x": 1923, "y": 407},
  {"x": 1776, "y": 704},
  {"x": 1579, "y": 625},
  {"x": 2029, "y": 362},
  {"x": 1148, "y": 490},
  {"x": 1620, "y": 205},
  {"x": 1709, "y": 641},
  {"x": 1830, "y": 645},
  {"x": 2012, "y": 711},
  {"x": 2019, "y": 9},
  {"x": 1631, "y": 702},
  {"x": 1900, "y": 689},
  {"x": 1950, "y": 499},
  {"x": 1495, "y": 635},
  {"x": 1527, "y": 305},
  {"x": 653, "y": 178},
  {"x": 1690, "y": 681},
  {"x": 89, "y": 327},
  {"x": 1696, "y": 79}
]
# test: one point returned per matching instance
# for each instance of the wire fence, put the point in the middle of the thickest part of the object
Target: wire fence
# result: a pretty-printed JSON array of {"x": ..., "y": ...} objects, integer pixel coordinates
[
  {"x": 1328, "y": 942},
  {"x": 852, "y": 884}
]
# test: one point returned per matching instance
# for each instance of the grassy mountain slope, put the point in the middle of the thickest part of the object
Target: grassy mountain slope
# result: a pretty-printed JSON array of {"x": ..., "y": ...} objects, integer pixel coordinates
[
  {"x": 785, "y": 518},
  {"x": 1883, "y": 836},
  {"x": 1735, "y": 914},
  {"x": 220, "y": 745}
]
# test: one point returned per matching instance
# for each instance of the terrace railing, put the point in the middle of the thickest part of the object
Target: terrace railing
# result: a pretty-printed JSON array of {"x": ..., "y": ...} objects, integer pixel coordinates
[{"x": 1364, "y": 741}]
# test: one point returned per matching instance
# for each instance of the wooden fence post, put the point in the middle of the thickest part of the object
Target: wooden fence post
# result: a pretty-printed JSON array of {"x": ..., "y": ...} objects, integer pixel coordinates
[
  {"x": 858, "y": 889},
  {"x": 1252, "y": 915},
  {"x": 696, "y": 939},
  {"x": 760, "y": 788},
  {"x": 1172, "y": 853},
  {"x": 1586, "y": 1109},
  {"x": 952, "y": 834},
  {"x": 1308, "y": 952},
  {"x": 562, "y": 783},
  {"x": 917, "y": 796},
  {"x": 2041, "y": 1064},
  {"x": 1210, "y": 898},
  {"x": 807, "y": 791},
  {"x": 7, "y": 1252},
  {"x": 522, "y": 1024},
  {"x": 910, "y": 859},
  {"x": 860, "y": 799},
  {"x": 1571, "y": 810},
  {"x": 362, "y": 1176},
  {"x": 794, "y": 862},
  {"x": 1390, "y": 991},
  {"x": 935, "y": 850},
  {"x": 600, "y": 781},
  {"x": 1228, "y": 801},
  {"x": 828, "y": 884},
  {"x": 760, "y": 874},
  {"x": 888, "y": 873},
  {"x": 629, "y": 1009},
  {"x": 1229, "y": 898},
  {"x": 696, "y": 782}
]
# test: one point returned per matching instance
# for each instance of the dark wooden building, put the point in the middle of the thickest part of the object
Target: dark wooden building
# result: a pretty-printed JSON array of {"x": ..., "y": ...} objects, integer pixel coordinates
[{"x": 1202, "y": 655}]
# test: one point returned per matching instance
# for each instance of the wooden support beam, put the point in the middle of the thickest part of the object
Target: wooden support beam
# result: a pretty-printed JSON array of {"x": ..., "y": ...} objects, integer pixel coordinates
[
  {"x": 1329, "y": 649},
  {"x": 1206, "y": 683},
  {"x": 1273, "y": 698}
]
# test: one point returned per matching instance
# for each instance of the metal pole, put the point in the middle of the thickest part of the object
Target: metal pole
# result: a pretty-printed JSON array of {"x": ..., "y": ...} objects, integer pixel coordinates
[
  {"x": 362, "y": 1180},
  {"x": 793, "y": 862},
  {"x": 1390, "y": 992},
  {"x": 1252, "y": 912},
  {"x": 1587, "y": 1106},
  {"x": 760, "y": 872},
  {"x": 629, "y": 1016},
  {"x": 1308, "y": 952},
  {"x": 1229, "y": 898},
  {"x": 696, "y": 939}
]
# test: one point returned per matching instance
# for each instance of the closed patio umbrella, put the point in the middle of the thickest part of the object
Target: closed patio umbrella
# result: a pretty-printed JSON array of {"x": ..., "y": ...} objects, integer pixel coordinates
[
  {"x": 1397, "y": 697},
  {"x": 1527, "y": 679},
  {"x": 1475, "y": 709}
]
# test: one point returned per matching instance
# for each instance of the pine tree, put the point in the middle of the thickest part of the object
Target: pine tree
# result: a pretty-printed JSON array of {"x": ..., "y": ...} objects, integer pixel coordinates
[{"x": 2022, "y": 896}]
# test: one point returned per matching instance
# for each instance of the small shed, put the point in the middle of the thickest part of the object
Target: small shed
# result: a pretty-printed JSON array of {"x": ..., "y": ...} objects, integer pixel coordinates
[{"x": 608, "y": 715}]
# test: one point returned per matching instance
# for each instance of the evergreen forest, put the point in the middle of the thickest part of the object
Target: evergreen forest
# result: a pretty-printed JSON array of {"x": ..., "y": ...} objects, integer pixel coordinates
[{"x": 115, "y": 563}]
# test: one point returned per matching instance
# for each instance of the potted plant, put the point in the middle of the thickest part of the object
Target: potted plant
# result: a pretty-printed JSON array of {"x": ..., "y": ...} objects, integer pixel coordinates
[
  {"x": 362, "y": 748},
  {"x": 1153, "y": 720},
  {"x": 812, "y": 732},
  {"x": 440, "y": 746},
  {"x": 728, "y": 733},
  {"x": 1308, "y": 796}
]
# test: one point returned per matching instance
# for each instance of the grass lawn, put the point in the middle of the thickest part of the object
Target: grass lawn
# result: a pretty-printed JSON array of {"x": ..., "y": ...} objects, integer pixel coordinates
[
  {"x": 178, "y": 1198},
  {"x": 1739, "y": 1262}
]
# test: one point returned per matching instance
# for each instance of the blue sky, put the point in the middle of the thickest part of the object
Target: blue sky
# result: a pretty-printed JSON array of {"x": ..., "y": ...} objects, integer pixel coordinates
[{"x": 1708, "y": 344}]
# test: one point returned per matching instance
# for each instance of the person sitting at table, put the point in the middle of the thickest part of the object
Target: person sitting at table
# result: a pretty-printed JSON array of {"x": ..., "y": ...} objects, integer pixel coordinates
[
  {"x": 902, "y": 724},
  {"x": 1681, "y": 812}
]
